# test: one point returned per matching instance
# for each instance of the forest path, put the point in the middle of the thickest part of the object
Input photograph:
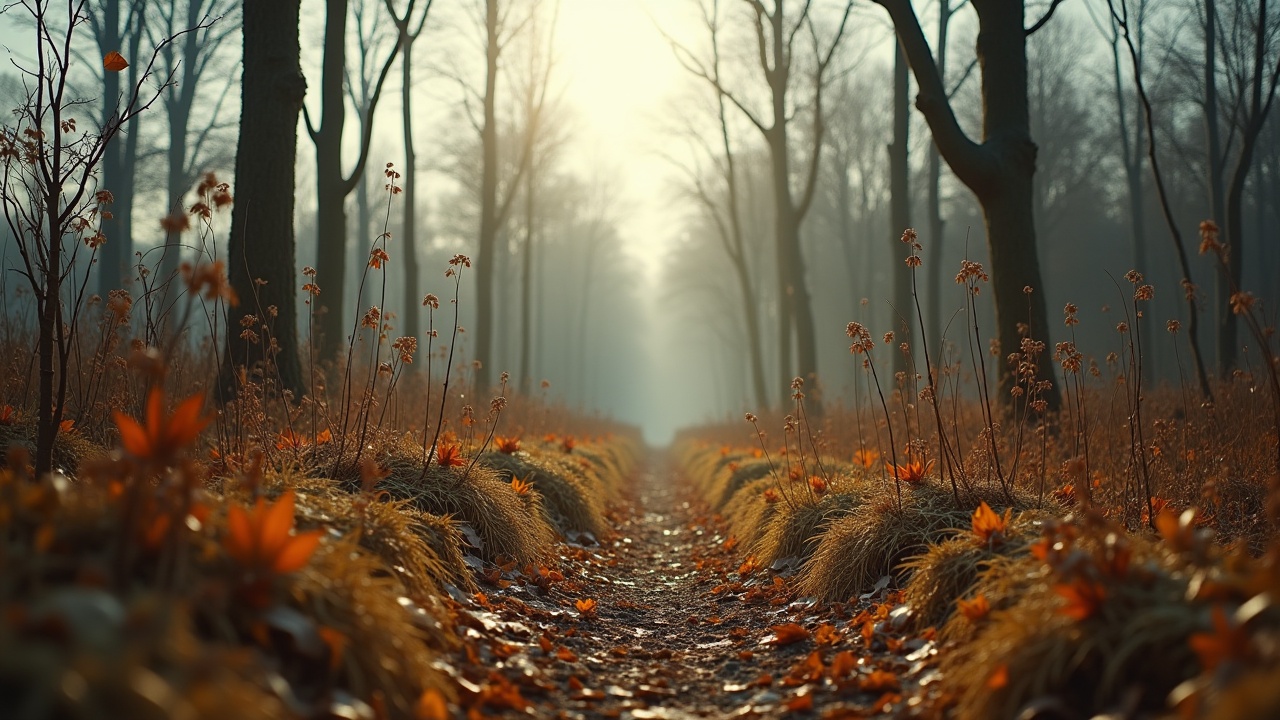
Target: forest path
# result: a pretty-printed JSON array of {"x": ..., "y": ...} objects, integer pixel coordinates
[{"x": 680, "y": 629}]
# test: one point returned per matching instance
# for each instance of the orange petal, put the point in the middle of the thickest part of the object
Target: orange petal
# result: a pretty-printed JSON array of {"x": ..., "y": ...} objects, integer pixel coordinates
[
  {"x": 275, "y": 524},
  {"x": 296, "y": 552},
  {"x": 155, "y": 415},
  {"x": 132, "y": 436},
  {"x": 186, "y": 423},
  {"x": 239, "y": 539}
]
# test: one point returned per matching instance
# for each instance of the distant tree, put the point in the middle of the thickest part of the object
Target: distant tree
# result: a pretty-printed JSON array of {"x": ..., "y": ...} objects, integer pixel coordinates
[
  {"x": 118, "y": 25},
  {"x": 189, "y": 63},
  {"x": 781, "y": 65},
  {"x": 900, "y": 206},
  {"x": 717, "y": 193},
  {"x": 1000, "y": 169},
  {"x": 262, "y": 239},
  {"x": 500, "y": 27}
]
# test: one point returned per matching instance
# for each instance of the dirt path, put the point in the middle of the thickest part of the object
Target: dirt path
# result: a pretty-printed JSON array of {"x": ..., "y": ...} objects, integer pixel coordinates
[{"x": 680, "y": 629}]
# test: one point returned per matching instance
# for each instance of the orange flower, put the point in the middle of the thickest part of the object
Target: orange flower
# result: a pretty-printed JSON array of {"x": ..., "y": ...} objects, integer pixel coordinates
[
  {"x": 988, "y": 527},
  {"x": 1083, "y": 598},
  {"x": 585, "y": 606},
  {"x": 975, "y": 609},
  {"x": 509, "y": 446},
  {"x": 522, "y": 487},
  {"x": 290, "y": 440},
  {"x": 263, "y": 539},
  {"x": 325, "y": 437},
  {"x": 770, "y": 496},
  {"x": 1226, "y": 642},
  {"x": 818, "y": 485},
  {"x": 865, "y": 458},
  {"x": 568, "y": 444},
  {"x": 449, "y": 456},
  {"x": 161, "y": 438},
  {"x": 7, "y": 415},
  {"x": 914, "y": 471}
]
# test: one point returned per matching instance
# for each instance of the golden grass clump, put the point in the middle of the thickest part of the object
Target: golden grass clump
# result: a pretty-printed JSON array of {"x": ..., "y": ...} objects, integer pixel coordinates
[
  {"x": 569, "y": 500},
  {"x": 796, "y": 528},
  {"x": 1134, "y": 641},
  {"x": 950, "y": 569},
  {"x": 748, "y": 513},
  {"x": 507, "y": 524},
  {"x": 725, "y": 484},
  {"x": 869, "y": 543},
  {"x": 383, "y": 646}
]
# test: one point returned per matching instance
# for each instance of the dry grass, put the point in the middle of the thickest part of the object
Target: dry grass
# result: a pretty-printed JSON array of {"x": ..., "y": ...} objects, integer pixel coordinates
[
  {"x": 796, "y": 528},
  {"x": 870, "y": 543},
  {"x": 950, "y": 569},
  {"x": 70, "y": 449},
  {"x": 748, "y": 513},
  {"x": 1137, "y": 641},
  {"x": 571, "y": 502},
  {"x": 507, "y": 524}
]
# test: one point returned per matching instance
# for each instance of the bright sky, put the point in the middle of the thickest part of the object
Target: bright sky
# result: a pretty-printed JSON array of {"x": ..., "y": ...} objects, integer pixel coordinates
[{"x": 620, "y": 75}]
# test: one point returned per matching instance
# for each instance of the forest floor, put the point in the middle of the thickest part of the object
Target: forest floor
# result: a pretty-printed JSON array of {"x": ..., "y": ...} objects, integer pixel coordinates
[{"x": 681, "y": 628}]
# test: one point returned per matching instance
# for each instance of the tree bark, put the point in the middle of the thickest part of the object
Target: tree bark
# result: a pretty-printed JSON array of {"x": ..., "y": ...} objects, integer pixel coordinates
[
  {"x": 412, "y": 298},
  {"x": 1000, "y": 170},
  {"x": 262, "y": 239},
  {"x": 933, "y": 268},
  {"x": 486, "y": 263},
  {"x": 1213, "y": 142}
]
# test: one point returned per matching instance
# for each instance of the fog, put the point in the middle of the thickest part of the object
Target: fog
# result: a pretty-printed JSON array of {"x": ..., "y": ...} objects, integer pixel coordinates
[{"x": 600, "y": 114}]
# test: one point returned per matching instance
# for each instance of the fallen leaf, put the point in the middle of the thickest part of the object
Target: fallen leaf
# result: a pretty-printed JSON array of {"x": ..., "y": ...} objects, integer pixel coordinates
[
  {"x": 999, "y": 678},
  {"x": 788, "y": 634}
]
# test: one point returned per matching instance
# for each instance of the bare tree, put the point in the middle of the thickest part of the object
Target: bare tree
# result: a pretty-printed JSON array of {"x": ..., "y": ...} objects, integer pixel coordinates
[
  {"x": 500, "y": 27},
  {"x": 333, "y": 182},
  {"x": 189, "y": 63},
  {"x": 1000, "y": 169},
  {"x": 409, "y": 30},
  {"x": 776, "y": 32},
  {"x": 118, "y": 25}
]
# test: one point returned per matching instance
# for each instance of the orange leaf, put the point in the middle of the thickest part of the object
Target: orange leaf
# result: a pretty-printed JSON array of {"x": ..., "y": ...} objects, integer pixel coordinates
[
  {"x": 800, "y": 703},
  {"x": 431, "y": 705},
  {"x": 337, "y": 643},
  {"x": 843, "y": 664},
  {"x": 67, "y": 426},
  {"x": 789, "y": 634},
  {"x": 879, "y": 681},
  {"x": 988, "y": 527},
  {"x": 1083, "y": 598},
  {"x": 449, "y": 456},
  {"x": 566, "y": 655},
  {"x": 324, "y": 438},
  {"x": 975, "y": 609},
  {"x": 827, "y": 634},
  {"x": 114, "y": 62},
  {"x": 999, "y": 678},
  {"x": 586, "y": 606}
]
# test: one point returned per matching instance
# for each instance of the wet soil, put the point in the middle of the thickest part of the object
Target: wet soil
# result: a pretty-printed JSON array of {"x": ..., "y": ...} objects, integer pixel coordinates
[{"x": 681, "y": 627}]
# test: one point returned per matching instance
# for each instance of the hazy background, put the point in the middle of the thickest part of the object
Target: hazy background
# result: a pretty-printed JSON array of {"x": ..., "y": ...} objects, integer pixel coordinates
[{"x": 635, "y": 310}]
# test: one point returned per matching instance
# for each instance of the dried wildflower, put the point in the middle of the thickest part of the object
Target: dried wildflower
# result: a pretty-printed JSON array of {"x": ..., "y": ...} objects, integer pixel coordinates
[
  {"x": 431, "y": 301},
  {"x": 1144, "y": 292},
  {"x": 818, "y": 485},
  {"x": 506, "y": 445},
  {"x": 914, "y": 471},
  {"x": 371, "y": 318},
  {"x": 861, "y": 338},
  {"x": 751, "y": 418},
  {"x": 406, "y": 346},
  {"x": 1242, "y": 302},
  {"x": 1173, "y": 326},
  {"x": 377, "y": 258}
]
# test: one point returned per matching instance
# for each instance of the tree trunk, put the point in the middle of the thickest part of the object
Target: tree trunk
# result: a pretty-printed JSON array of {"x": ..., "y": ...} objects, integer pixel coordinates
[
  {"x": 331, "y": 211},
  {"x": 933, "y": 267},
  {"x": 485, "y": 261},
  {"x": 412, "y": 299},
  {"x": 900, "y": 209},
  {"x": 526, "y": 284},
  {"x": 262, "y": 240},
  {"x": 1217, "y": 182}
]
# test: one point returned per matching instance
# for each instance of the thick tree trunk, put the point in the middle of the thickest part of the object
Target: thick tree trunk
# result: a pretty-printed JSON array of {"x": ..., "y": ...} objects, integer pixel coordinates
[
  {"x": 933, "y": 250},
  {"x": 262, "y": 240},
  {"x": 486, "y": 263},
  {"x": 900, "y": 209}
]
